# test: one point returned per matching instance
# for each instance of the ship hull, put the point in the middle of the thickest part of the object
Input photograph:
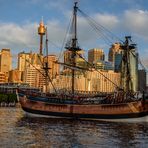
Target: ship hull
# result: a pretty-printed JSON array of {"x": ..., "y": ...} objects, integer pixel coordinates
[
  {"x": 135, "y": 109},
  {"x": 84, "y": 116}
]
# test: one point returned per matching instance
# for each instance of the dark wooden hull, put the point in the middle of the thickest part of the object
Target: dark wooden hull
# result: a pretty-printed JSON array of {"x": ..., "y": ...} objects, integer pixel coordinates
[{"x": 90, "y": 111}]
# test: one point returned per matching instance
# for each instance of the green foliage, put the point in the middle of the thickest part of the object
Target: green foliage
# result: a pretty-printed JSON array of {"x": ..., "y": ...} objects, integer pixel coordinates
[{"x": 8, "y": 98}]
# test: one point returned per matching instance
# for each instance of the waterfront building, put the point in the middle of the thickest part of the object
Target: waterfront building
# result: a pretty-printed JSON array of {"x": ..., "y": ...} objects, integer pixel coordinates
[
  {"x": 141, "y": 80},
  {"x": 115, "y": 49},
  {"x": 24, "y": 60},
  {"x": 27, "y": 59},
  {"x": 117, "y": 62},
  {"x": 90, "y": 81},
  {"x": 104, "y": 65},
  {"x": 5, "y": 61},
  {"x": 52, "y": 65},
  {"x": 95, "y": 55},
  {"x": 15, "y": 76},
  {"x": 36, "y": 59},
  {"x": 34, "y": 76},
  {"x": 3, "y": 77},
  {"x": 79, "y": 61}
]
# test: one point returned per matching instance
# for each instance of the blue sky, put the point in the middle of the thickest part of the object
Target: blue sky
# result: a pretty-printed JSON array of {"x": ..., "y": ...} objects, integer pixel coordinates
[{"x": 19, "y": 20}]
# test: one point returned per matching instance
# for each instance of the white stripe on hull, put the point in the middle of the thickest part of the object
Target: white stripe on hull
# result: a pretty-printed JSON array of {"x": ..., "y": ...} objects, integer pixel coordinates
[{"x": 131, "y": 120}]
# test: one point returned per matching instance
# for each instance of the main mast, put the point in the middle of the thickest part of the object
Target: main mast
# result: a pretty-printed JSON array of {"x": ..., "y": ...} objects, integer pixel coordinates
[{"x": 73, "y": 47}]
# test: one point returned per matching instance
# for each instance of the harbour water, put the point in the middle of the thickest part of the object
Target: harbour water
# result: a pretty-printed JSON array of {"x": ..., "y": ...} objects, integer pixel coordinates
[{"x": 20, "y": 131}]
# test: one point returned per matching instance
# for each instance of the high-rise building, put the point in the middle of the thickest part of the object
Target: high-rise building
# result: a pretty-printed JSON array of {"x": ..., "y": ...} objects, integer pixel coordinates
[
  {"x": 24, "y": 60},
  {"x": 34, "y": 76},
  {"x": 78, "y": 60},
  {"x": 15, "y": 76},
  {"x": 117, "y": 62},
  {"x": 3, "y": 77},
  {"x": 91, "y": 81},
  {"x": 104, "y": 65},
  {"x": 5, "y": 60},
  {"x": 52, "y": 65},
  {"x": 27, "y": 59},
  {"x": 115, "y": 49},
  {"x": 95, "y": 54}
]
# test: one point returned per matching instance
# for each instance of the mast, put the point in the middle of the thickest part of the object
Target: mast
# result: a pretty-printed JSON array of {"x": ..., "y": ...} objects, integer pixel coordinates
[
  {"x": 46, "y": 63},
  {"x": 46, "y": 67},
  {"x": 126, "y": 80},
  {"x": 74, "y": 45}
]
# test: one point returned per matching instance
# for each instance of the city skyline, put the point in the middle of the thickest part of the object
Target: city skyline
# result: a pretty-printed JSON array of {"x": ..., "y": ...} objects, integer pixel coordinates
[{"x": 19, "y": 22}]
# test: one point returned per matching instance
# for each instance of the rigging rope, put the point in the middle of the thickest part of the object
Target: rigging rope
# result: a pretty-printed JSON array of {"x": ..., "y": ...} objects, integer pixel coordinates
[
  {"x": 65, "y": 38},
  {"x": 98, "y": 26},
  {"x": 92, "y": 66}
]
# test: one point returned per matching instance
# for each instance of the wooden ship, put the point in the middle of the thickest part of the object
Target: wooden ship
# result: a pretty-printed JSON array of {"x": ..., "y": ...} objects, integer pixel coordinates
[{"x": 121, "y": 104}]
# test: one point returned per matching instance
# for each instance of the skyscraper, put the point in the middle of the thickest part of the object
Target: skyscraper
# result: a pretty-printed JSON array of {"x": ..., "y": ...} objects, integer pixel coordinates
[
  {"x": 32, "y": 75},
  {"x": 5, "y": 60},
  {"x": 15, "y": 76},
  {"x": 115, "y": 49},
  {"x": 117, "y": 62},
  {"x": 78, "y": 60},
  {"x": 54, "y": 67},
  {"x": 95, "y": 55},
  {"x": 23, "y": 60}
]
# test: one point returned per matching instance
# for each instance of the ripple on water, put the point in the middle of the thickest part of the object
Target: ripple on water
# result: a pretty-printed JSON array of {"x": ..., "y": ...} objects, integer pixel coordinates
[{"x": 19, "y": 131}]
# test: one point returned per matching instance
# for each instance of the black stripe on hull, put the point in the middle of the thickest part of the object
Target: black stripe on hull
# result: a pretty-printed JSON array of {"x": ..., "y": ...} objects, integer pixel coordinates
[{"x": 88, "y": 116}]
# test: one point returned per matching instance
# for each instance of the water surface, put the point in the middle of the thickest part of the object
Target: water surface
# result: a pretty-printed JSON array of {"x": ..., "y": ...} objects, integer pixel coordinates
[{"x": 19, "y": 131}]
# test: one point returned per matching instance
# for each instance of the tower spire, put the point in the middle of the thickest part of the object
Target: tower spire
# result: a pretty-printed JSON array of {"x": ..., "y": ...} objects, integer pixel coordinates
[{"x": 41, "y": 32}]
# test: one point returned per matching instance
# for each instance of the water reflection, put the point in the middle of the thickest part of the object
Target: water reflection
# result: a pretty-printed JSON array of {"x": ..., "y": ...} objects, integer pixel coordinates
[
  {"x": 18, "y": 131},
  {"x": 79, "y": 133}
]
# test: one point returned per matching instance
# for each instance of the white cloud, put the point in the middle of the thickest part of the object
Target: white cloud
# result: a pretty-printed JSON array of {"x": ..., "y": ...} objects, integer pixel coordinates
[
  {"x": 16, "y": 36},
  {"x": 136, "y": 21},
  {"x": 107, "y": 20}
]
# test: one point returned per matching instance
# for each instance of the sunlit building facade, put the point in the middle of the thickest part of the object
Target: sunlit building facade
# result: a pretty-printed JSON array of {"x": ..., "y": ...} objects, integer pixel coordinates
[
  {"x": 3, "y": 77},
  {"x": 15, "y": 76},
  {"x": 90, "y": 81},
  {"x": 95, "y": 55},
  {"x": 78, "y": 59},
  {"x": 52, "y": 65},
  {"x": 115, "y": 49},
  {"x": 5, "y": 61}
]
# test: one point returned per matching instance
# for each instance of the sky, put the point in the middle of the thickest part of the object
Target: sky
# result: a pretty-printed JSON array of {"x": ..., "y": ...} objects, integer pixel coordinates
[{"x": 19, "y": 20}]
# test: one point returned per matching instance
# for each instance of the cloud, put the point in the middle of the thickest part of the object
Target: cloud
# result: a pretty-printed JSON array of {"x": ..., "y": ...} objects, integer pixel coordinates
[
  {"x": 107, "y": 20},
  {"x": 136, "y": 21},
  {"x": 16, "y": 36},
  {"x": 19, "y": 37}
]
